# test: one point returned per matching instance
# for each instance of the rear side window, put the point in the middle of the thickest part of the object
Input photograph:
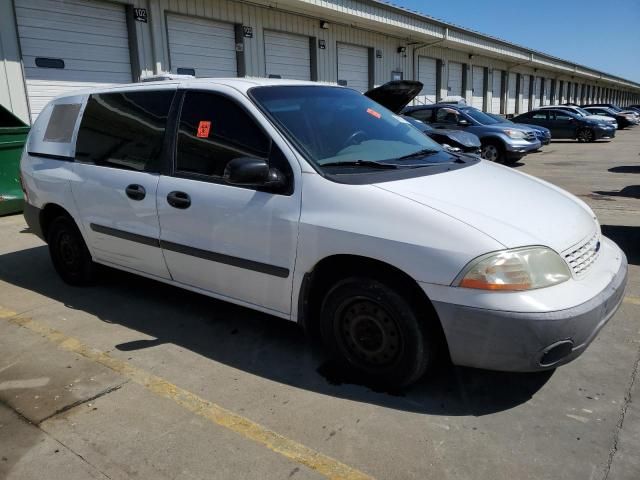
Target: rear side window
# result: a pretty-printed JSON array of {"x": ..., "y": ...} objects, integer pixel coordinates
[
  {"x": 61, "y": 123},
  {"x": 540, "y": 115},
  {"x": 124, "y": 130},
  {"x": 213, "y": 131}
]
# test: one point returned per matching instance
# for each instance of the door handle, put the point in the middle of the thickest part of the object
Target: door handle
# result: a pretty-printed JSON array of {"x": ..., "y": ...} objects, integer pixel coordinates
[
  {"x": 179, "y": 200},
  {"x": 135, "y": 192}
]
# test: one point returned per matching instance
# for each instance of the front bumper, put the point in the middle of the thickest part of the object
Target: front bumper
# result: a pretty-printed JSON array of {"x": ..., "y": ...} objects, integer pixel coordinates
[
  {"x": 525, "y": 342},
  {"x": 517, "y": 149},
  {"x": 607, "y": 132}
]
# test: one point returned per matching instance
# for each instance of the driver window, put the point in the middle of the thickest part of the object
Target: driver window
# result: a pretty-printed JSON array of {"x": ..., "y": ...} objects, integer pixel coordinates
[
  {"x": 447, "y": 115},
  {"x": 214, "y": 130}
]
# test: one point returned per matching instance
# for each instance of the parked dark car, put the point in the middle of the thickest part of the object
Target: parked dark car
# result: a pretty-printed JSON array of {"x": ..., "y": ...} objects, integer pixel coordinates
[
  {"x": 395, "y": 95},
  {"x": 542, "y": 133},
  {"x": 501, "y": 142},
  {"x": 624, "y": 120},
  {"x": 617, "y": 109},
  {"x": 565, "y": 124}
]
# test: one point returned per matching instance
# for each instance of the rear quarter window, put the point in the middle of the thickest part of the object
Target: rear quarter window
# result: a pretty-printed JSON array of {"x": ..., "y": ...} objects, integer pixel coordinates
[
  {"x": 124, "y": 129},
  {"x": 62, "y": 123}
]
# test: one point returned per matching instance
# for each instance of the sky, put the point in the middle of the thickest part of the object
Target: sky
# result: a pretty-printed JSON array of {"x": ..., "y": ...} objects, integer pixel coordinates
[{"x": 602, "y": 34}]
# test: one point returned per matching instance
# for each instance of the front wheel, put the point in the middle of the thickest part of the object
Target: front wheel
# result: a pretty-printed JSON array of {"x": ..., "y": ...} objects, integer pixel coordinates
[
  {"x": 586, "y": 135},
  {"x": 69, "y": 253},
  {"x": 374, "y": 331},
  {"x": 492, "y": 151}
]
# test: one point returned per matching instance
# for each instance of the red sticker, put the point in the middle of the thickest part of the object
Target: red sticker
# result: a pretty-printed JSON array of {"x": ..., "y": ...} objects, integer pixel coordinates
[
  {"x": 373, "y": 113},
  {"x": 203, "y": 129}
]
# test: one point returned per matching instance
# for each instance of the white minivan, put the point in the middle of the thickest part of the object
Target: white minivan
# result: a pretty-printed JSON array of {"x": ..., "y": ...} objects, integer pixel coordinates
[{"x": 316, "y": 204}]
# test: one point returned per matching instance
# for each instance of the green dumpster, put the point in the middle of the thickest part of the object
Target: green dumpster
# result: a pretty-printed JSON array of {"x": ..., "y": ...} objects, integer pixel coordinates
[{"x": 13, "y": 134}]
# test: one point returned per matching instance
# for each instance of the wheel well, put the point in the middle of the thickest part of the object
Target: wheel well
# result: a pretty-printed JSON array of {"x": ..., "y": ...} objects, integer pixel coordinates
[
  {"x": 48, "y": 214},
  {"x": 334, "y": 268},
  {"x": 493, "y": 141}
]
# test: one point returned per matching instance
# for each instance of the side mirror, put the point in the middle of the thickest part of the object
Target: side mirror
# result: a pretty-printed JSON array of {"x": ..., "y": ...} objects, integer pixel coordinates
[
  {"x": 463, "y": 122},
  {"x": 252, "y": 172}
]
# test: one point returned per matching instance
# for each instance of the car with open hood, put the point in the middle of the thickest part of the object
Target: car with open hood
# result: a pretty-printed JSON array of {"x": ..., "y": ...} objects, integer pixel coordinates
[
  {"x": 397, "y": 94},
  {"x": 316, "y": 204}
]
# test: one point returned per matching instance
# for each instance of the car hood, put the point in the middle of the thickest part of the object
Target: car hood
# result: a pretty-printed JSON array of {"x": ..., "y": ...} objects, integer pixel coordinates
[
  {"x": 463, "y": 138},
  {"x": 537, "y": 128},
  {"x": 395, "y": 95},
  {"x": 600, "y": 118},
  {"x": 513, "y": 208}
]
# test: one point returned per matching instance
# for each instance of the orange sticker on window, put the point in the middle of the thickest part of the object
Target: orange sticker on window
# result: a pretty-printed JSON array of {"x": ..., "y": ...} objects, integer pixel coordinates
[
  {"x": 373, "y": 113},
  {"x": 203, "y": 129}
]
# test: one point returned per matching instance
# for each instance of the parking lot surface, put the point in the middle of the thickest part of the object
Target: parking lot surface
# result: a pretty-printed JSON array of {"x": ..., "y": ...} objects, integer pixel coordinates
[{"x": 133, "y": 378}]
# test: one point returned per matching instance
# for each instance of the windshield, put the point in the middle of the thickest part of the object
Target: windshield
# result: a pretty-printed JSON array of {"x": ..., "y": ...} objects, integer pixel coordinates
[
  {"x": 498, "y": 118},
  {"x": 481, "y": 117},
  {"x": 334, "y": 125}
]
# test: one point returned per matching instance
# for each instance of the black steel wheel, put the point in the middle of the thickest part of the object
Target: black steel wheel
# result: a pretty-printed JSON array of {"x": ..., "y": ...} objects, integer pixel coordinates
[
  {"x": 69, "y": 253},
  {"x": 373, "y": 330}
]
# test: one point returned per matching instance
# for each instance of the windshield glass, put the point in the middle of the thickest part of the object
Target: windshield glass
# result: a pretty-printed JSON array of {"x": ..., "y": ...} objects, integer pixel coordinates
[
  {"x": 498, "y": 118},
  {"x": 334, "y": 125},
  {"x": 581, "y": 112},
  {"x": 482, "y": 117}
]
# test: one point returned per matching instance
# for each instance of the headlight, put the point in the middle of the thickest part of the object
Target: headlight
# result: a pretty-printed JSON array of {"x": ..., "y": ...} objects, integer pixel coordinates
[
  {"x": 514, "y": 133},
  {"x": 518, "y": 269}
]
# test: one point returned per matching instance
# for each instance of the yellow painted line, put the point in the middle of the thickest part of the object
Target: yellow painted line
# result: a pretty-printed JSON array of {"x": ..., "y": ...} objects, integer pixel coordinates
[
  {"x": 632, "y": 300},
  {"x": 286, "y": 447}
]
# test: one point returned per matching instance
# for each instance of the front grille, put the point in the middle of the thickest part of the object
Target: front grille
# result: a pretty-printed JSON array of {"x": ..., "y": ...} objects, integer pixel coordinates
[
  {"x": 530, "y": 136},
  {"x": 581, "y": 257}
]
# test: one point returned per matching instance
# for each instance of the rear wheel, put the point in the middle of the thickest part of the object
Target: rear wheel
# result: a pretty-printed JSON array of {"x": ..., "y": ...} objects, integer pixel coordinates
[
  {"x": 374, "y": 331},
  {"x": 586, "y": 135},
  {"x": 492, "y": 151},
  {"x": 69, "y": 252}
]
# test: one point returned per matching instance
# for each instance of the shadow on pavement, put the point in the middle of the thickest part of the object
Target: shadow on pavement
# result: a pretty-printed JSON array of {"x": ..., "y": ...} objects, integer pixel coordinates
[
  {"x": 625, "y": 169},
  {"x": 257, "y": 343},
  {"x": 632, "y": 191},
  {"x": 627, "y": 238}
]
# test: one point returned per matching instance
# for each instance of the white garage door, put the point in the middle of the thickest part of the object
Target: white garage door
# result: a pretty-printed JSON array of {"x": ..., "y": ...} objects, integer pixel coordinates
[
  {"x": 511, "y": 93},
  {"x": 201, "y": 47},
  {"x": 353, "y": 66},
  {"x": 455, "y": 79},
  {"x": 477, "y": 95},
  {"x": 524, "y": 93},
  {"x": 496, "y": 89},
  {"x": 287, "y": 56},
  {"x": 546, "y": 99},
  {"x": 536, "y": 93},
  {"x": 427, "y": 75},
  {"x": 71, "y": 45}
]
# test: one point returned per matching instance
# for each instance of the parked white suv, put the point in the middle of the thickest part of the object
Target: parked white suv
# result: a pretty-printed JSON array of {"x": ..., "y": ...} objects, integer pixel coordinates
[{"x": 318, "y": 205}]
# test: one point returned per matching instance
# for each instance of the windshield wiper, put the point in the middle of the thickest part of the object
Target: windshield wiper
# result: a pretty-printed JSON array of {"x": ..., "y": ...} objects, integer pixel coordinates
[
  {"x": 360, "y": 163},
  {"x": 419, "y": 153}
]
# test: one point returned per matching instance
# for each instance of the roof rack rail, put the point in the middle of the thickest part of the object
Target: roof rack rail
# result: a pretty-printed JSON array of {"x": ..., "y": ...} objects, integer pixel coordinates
[{"x": 165, "y": 76}]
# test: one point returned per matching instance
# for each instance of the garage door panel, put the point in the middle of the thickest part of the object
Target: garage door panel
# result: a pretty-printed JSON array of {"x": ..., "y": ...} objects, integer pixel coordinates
[
  {"x": 90, "y": 36},
  {"x": 207, "y": 46},
  {"x": 428, "y": 77},
  {"x": 496, "y": 91},
  {"x": 353, "y": 66},
  {"x": 511, "y": 93},
  {"x": 69, "y": 51},
  {"x": 455, "y": 78},
  {"x": 477, "y": 99},
  {"x": 64, "y": 22},
  {"x": 287, "y": 55},
  {"x": 77, "y": 8}
]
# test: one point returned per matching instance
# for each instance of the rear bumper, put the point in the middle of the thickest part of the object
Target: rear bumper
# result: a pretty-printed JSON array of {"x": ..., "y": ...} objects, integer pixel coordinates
[
  {"x": 524, "y": 342},
  {"x": 32, "y": 217}
]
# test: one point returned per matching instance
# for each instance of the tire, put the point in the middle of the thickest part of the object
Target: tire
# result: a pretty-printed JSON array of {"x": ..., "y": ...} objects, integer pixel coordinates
[
  {"x": 492, "y": 151},
  {"x": 69, "y": 253},
  {"x": 586, "y": 135},
  {"x": 375, "y": 332}
]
